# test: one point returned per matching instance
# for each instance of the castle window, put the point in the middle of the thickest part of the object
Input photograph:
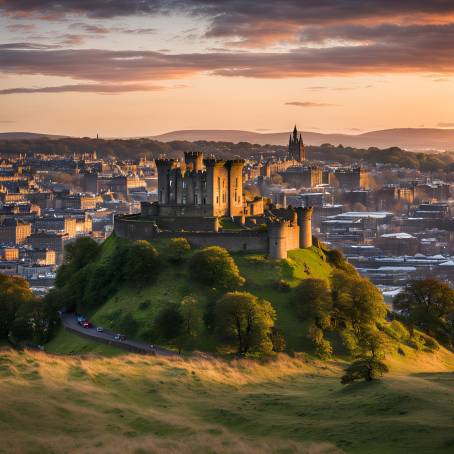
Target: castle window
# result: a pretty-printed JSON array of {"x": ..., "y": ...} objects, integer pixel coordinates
[
  {"x": 196, "y": 199},
  {"x": 217, "y": 199},
  {"x": 236, "y": 182},
  {"x": 204, "y": 201}
]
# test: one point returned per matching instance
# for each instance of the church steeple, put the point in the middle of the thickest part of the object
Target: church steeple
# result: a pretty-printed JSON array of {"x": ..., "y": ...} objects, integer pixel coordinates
[{"x": 296, "y": 150}]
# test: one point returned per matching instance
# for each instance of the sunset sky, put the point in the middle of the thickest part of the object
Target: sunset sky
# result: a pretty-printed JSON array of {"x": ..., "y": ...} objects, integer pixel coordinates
[{"x": 143, "y": 67}]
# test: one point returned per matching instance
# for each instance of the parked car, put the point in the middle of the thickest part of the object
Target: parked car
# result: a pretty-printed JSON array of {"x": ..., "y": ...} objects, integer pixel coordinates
[
  {"x": 80, "y": 319},
  {"x": 87, "y": 324},
  {"x": 117, "y": 337},
  {"x": 100, "y": 329}
]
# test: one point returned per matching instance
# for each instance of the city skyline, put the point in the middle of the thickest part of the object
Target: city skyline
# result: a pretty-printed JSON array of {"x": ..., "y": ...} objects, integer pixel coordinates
[{"x": 125, "y": 69}]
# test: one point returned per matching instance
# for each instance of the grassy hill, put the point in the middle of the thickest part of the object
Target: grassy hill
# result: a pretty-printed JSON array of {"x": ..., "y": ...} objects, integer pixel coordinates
[
  {"x": 134, "y": 404},
  {"x": 174, "y": 283}
]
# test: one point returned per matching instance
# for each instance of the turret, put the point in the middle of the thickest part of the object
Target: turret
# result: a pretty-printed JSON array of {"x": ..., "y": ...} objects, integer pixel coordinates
[
  {"x": 163, "y": 165},
  {"x": 194, "y": 160},
  {"x": 277, "y": 239},
  {"x": 305, "y": 224}
]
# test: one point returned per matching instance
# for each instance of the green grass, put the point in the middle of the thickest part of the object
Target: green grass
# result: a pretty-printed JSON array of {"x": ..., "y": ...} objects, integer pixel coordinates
[
  {"x": 55, "y": 404},
  {"x": 68, "y": 343}
]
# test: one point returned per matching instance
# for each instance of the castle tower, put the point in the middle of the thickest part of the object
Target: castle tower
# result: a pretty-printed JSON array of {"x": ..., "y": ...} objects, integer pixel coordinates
[
  {"x": 296, "y": 150},
  {"x": 277, "y": 240},
  {"x": 305, "y": 224},
  {"x": 235, "y": 193},
  {"x": 164, "y": 166},
  {"x": 194, "y": 160}
]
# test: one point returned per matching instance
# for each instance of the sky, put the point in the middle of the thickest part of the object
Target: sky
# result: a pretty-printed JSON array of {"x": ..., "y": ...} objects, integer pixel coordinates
[{"x": 128, "y": 68}]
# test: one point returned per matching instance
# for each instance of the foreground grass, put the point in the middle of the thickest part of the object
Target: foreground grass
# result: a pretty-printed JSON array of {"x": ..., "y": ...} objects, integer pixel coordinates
[{"x": 133, "y": 404}]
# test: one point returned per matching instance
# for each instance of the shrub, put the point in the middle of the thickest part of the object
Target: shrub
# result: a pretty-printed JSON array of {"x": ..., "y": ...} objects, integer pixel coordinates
[
  {"x": 178, "y": 248},
  {"x": 214, "y": 266},
  {"x": 278, "y": 340},
  {"x": 367, "y": 369},
  {"x": 322, "y": 346}
]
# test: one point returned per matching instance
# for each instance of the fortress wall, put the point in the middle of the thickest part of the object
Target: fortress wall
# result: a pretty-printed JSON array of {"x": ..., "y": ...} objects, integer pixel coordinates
[
  {"x": 238, "y": 241},
  {"x": 131, "y": 228}
]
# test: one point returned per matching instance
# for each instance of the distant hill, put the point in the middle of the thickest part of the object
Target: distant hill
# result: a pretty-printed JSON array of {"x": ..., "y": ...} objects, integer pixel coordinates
[
  {"x": 416, "y": 139},
  {"x": 28, "y": 136}
]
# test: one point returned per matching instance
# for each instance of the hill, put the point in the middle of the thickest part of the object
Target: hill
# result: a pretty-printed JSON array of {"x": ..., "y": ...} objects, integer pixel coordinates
[
  {"x": 142, "y": 405},
  {"x": 28, "y": 136},
  {"x": 143, "y": 303},
  {"x": 407, "y": 138}
]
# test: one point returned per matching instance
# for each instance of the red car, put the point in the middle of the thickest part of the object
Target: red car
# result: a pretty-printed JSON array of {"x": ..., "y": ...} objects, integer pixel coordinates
[{"x": 87, "y": 324}]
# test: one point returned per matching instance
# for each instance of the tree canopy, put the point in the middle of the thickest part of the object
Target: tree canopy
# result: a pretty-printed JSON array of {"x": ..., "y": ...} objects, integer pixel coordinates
[{"x": 243, "y": 318}]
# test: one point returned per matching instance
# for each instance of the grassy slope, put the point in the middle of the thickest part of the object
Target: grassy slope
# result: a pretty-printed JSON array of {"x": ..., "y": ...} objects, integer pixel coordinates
[
  {"x": 173, "y": 284},
  {"x": 143, "y": 405},
  {"x": 70, "y": 344}
]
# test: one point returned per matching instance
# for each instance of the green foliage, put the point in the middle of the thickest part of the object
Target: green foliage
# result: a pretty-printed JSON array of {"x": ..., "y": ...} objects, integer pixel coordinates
[
  {"x": 168, "y": 323},
  {"x": 367, "y": 369},
  {"x": 322, "y": 346},
  {"x": 14, "y": 291},
  {"x": 278, "y": 340},
  {"x": 357, "y": 303},
  {"x": 428, "y": 304},
  {"x": 214, "y": 266},
  {"x": 313, "y": 302},
  {"x": 178, "y": 249},
  {"x": 142, "y": 263},
  {"x": 191, "y": 315},
  {"x": 337, "y": 259},
  {"x": 242, "y": 317}
]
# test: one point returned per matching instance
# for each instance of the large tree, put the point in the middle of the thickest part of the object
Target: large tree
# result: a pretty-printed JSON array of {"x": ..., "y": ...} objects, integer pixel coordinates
[
  {"x": 142, "y": 263},
  {"x": 14, "y": 291},
  {"x": 428, "y": 304},
  {"x": 242, "y": 317},
  {"x": 313, "y": 302},
  {"x": 357, "y": 303},
  {"x": 214, "y": 266}
]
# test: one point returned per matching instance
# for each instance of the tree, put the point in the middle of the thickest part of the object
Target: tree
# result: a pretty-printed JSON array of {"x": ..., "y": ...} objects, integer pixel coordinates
[
  {"x": 81, "y": 252},
  {"x": 142, "y": 263},
  {"x": 191, "y": 315},
  {"x": 313, "y": 302},
  {"x": 14, "y": 291},
  {"x": 369, "y": 347},
  {"x": 364, "y": 369},
  {"x": 168, "y": 323},
  {"x": 178, "y": 248},
  {"x": 214, "y": 266},
  {"x": 428, "y": 304},
  {"x": 34, "y": 321},
  {"x": 242, "y": 317},
  {"x": 357, "y": 303}
]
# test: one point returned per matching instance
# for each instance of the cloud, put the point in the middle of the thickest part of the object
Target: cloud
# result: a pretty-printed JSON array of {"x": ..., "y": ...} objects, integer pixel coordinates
[
  {"x": 21, "y": 28},
  {"x": 446, "y": 124},
  {"x": 308, "y": 104},
  {"x": 102, "y": 65},
  {"x": 87, "y": 88}
]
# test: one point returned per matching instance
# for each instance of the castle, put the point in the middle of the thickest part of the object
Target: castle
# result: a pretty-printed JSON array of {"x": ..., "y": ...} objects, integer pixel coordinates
[{"x": 202, "y": 200}]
